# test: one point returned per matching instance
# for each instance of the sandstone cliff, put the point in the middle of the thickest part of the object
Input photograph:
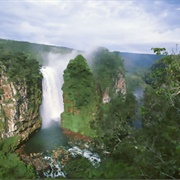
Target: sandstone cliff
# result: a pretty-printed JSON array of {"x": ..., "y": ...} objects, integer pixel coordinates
[
  {"x": 118, "y": 87},
  {"x": 20, "y": 96}
]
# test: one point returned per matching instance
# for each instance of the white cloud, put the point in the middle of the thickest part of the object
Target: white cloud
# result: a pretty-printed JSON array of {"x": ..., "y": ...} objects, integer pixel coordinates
[{"x": 116, "y": 25}]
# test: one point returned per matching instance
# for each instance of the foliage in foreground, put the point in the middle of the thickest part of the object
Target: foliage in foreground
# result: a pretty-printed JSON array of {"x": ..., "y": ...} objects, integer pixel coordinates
[
  {"x": 23, "y": 72},
  {"x": 152, "y": 152},
  {"x": 11, "y": 167}
]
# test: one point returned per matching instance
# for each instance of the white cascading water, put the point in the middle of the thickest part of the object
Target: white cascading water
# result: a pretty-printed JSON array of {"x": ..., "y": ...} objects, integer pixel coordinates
[
  {"x": 52, "y": 100},
  {"x": 52, "y": 97}
]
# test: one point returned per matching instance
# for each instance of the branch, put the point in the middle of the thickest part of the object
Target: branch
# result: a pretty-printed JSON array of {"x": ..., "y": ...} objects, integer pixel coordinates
[{"x": 168, "y": 175}]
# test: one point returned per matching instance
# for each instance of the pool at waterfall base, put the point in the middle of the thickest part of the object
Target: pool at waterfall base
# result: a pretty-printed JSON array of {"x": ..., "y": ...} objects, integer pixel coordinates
[{"x": 49, "y": 149}]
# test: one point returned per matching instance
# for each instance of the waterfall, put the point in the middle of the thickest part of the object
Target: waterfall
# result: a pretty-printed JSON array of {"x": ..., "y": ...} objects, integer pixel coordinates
[
  {"x": 52, "y": 101},
  {"x": 51, "y": 107}
]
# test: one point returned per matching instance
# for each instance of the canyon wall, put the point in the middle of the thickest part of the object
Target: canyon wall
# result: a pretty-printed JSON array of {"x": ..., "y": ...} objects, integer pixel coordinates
[{"x": 20, "y": 96}]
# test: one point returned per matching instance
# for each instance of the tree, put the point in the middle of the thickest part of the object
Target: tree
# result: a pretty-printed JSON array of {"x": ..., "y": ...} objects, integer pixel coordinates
[
  {"x": 160, "y": 115},
  {"x": 160, "y": 51},
  {"x": 12, "y": 168}
]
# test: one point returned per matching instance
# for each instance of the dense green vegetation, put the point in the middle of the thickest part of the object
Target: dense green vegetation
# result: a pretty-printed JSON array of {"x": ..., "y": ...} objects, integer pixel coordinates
[
  {"x": 84, "y": 88},
  {"x": 152, "y": 152},
  {"x": 27, "y": 47},
  {"x": 23, "y": 72},
  {"x": 115, "y": 120},
  {"x": 33, "y": 50},
  {"x": 15, "y": 66},
  {"x": 80, "y": 97},
  {"x": 114, "y": 130},
  {"x": 11, "y": 167},
  {"x": 80, "y": 82}
]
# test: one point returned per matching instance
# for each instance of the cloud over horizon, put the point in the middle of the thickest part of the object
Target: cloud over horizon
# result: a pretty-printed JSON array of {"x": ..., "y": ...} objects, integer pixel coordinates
[{"x": 131, "y": 26}]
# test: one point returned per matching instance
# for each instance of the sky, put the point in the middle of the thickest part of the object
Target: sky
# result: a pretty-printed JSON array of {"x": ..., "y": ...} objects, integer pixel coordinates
[{"x": 119, "y": 25}]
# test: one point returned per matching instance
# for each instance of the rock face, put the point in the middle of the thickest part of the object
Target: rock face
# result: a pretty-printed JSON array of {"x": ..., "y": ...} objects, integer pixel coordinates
[
  {"x": 106, "y": 97},
  {"x": 118, "y": 87},
  {"x": 80, "y": 97},
  {"x": 19, "y": 102}
]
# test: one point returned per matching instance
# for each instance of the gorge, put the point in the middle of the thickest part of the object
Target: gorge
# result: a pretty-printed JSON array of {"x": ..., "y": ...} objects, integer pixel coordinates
[
  {"x": 50, "y": 135},
  {"x": 88, "y": 107}
]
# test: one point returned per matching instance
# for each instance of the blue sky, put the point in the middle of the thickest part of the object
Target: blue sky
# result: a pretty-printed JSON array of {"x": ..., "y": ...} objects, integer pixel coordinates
[{"x": 124, "y": 25}]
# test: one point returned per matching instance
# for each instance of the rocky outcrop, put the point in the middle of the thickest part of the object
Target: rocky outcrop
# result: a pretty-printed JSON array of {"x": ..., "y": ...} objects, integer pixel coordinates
[
  {"x": 106, "y": 97},
  {"x": 19, "y": 105},
  {"x": 119, "y": 87},
  {"x": 80, "y": 98}
]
